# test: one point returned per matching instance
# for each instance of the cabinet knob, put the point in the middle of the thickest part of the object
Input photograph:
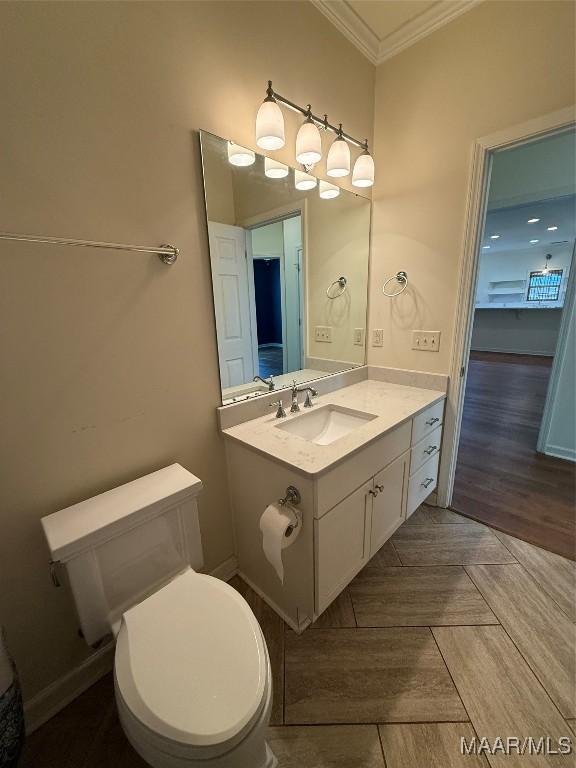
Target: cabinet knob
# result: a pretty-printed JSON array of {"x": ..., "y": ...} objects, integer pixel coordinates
[
  {"x": 430, "y": 450},
  {"x": 432, "y": 421},
  {"x": 372, "y": 492},
  {"x": 379, "y": 488}
]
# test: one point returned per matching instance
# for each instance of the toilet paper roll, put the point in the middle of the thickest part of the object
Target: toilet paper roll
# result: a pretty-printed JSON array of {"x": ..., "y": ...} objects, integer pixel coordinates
[{"x": 278, "y": 532}]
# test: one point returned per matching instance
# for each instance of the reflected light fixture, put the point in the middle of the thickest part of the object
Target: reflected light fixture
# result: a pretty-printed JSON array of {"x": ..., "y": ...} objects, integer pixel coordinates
[
  {"x": 546, "y": 267},
  {"x": 534, "y": 241},
  {"x": 494, "y": 237},
  {"x": 338, "y": 160},
  {"x": 485, "y": 247},
  {"x": 533, "y": 221},
  {"x": 240, "y": 156},
  {"x": 270, "y": 123},
  {"x": 308, "y": 142},
  {"x": 552, "y": 229},
  {"x": 303, "y": 181},
  {"x": 363, "y": 173},
  {"x": 275, "y": 170},
  {"x": 328, "y": 191}
]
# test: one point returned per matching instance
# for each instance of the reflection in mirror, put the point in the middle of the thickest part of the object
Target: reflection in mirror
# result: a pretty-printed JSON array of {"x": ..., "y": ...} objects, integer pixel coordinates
[{"x": 289, "y": 271}]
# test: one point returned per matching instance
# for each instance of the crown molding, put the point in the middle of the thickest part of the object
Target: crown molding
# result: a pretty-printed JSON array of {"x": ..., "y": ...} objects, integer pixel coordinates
[
  {"x": 347, "y": 21},
  {"x": 351, "y": 25}
]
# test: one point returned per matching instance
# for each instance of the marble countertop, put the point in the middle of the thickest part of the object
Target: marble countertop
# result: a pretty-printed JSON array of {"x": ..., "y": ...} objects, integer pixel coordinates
[{"x": 392, "y": 404}]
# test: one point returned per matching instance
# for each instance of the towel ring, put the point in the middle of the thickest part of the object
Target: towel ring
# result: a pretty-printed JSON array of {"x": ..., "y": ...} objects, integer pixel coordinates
[
  {"x": 342, "y": 283},
  {"x": 400, "y": 277}
]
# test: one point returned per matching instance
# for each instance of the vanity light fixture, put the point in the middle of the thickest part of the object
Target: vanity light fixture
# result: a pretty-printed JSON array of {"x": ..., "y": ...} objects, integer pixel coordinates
[
  {"x": 270, "y": 135},
  {"x": 303, "y": 181},
  {"x": 270, "y": 123},
  {"x": 338, "y": 160},
  {"x": 328, "y": 191},
  {"x": 308, "y": 142},
  {"x": 363, "y": 173},
  {"x": 275, "y": 170},
  {"x": 240, "y": 156},
  {"x": 533, "y": 221}
]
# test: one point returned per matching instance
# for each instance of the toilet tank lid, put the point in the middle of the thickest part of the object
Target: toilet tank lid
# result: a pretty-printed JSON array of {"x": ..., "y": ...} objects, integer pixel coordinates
[{"x": 74, "y": 529}]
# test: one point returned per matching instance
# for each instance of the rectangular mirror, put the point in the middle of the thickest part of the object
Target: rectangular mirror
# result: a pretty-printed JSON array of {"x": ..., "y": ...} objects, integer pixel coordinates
[{"x": 289, "y": 272}]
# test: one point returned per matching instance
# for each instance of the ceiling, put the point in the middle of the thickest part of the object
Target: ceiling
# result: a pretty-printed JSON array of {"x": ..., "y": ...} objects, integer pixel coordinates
[
  {"x": 516, "y": 233},
  {"x": 383, "y": 28}
]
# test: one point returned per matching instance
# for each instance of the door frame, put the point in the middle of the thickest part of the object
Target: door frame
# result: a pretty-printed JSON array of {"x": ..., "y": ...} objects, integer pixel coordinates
[
  {"x": 483, "y": 149},
  {"x": 299, "y": 208}
]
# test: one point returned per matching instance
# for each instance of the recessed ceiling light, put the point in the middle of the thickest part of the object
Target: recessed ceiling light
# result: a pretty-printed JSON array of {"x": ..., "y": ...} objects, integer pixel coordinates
[
  {"x": 534, "y": 241},
  {"x": 494, "y": 237},
  {"x": 533, "y": 221},
  {"x": 485, "y": 247},
  {"x": 551, "y": 229}
]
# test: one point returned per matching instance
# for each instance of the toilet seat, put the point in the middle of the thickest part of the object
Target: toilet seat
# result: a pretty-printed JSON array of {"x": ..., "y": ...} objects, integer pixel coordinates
[{"x": 191, "y": 663}]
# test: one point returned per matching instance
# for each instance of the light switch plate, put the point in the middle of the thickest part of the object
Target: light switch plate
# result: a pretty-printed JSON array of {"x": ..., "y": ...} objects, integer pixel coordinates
[
  {"x": 378, "y": 337},
  {"x": 427, "y": 341},
  {"x": 359, "y": 336},
  {"x": 323, "y": 333}
]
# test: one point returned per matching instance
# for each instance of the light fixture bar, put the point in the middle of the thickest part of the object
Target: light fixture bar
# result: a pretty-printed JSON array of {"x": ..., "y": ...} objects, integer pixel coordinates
[{"x": 321, "y": 122}]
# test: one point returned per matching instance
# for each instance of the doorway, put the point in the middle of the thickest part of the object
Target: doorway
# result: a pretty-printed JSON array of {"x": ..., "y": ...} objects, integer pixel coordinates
[{"x": 514, "y": 471}]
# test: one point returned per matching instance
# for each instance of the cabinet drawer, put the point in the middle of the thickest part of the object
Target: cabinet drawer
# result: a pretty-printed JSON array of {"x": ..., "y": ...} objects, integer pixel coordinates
[
  {"x": 425, "y": 449},
  {"x": 426, "y": 421},
  {"x": 422, "y": 483}
]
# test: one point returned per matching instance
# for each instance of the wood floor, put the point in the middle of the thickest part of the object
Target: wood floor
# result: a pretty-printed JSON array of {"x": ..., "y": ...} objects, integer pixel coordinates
[
  {"x": 500, "y": 478},
  {"x": 411, "y": 658}
]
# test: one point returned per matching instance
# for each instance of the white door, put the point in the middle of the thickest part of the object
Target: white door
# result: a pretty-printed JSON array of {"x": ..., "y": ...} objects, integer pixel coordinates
[{"x": 231, "y": 303}]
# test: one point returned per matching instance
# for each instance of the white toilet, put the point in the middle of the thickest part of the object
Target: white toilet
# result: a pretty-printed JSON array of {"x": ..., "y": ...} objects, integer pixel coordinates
[{"x": 191, "y": 671}]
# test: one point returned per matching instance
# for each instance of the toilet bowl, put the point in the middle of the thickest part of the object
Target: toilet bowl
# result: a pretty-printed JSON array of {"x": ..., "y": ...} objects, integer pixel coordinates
[
  {"x": 191, "y": 670},
  {"x": 192, "y": 677}
]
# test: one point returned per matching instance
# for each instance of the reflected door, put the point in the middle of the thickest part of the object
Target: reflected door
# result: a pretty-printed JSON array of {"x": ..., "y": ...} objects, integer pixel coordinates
[{"x": 231, "y": 303}]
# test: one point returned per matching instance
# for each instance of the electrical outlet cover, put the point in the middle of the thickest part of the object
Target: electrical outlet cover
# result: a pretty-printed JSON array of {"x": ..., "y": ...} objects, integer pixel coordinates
[{"x": 378, "y": 337}]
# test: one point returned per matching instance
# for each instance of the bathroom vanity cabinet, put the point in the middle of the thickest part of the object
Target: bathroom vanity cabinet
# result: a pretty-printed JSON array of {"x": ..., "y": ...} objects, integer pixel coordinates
[{"x": 348, "y": 511}]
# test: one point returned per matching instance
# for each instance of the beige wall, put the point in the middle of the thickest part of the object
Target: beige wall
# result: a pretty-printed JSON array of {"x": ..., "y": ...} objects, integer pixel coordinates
[
  {"x": 498, "y": 65},
  {"x": 109, "y": 359}
]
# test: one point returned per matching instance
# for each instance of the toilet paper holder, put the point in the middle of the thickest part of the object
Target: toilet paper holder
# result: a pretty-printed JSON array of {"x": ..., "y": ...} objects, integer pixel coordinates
[{"x": 293, "y": 498}]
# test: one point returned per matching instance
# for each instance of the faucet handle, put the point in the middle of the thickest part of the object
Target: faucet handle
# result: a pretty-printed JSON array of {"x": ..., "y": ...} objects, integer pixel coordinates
[
  {"x": 310, "y": 393},
  {"x": 280, "y": 412}
]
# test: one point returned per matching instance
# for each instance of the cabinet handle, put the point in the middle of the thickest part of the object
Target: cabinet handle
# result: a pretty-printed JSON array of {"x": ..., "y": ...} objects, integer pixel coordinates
[
  {"x": 427, "y": 482},
  {"x": 432, "y": 421},
  {"x": 372, "y": 492},
  {"x": 379, "y": 488},
  {"x": 430, "y": 450}
]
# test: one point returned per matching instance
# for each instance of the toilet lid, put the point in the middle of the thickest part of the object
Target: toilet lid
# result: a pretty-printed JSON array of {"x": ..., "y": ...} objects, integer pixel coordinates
[{"x": 191, "y": 661}]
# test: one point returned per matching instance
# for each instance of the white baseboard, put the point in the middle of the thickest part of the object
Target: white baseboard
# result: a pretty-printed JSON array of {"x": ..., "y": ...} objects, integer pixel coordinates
[
  {"x": 559, "y": 452},
  {"x": 227, "y": 569},
  {"x": 291, "y": 623},
  {"x": 49, "y": 701},
  {"x": 510, "y": 351},
  {"x": 61, "y": 692}
]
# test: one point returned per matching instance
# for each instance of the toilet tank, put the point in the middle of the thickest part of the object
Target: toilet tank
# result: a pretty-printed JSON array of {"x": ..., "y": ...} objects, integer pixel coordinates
[{"x": 123, "y": 545}]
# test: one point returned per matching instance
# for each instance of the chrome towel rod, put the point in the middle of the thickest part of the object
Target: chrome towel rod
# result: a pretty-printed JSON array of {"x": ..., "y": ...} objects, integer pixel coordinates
[{"x": 167, "y": 253}]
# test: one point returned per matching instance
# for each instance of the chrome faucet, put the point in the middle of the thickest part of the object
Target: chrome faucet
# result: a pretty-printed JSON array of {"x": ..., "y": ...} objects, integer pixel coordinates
[
  {"x": 269, "y": 382},
  {"x": 310, "y": 392}
]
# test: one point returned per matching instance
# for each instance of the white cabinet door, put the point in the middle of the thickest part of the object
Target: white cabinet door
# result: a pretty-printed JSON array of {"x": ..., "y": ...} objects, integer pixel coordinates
[
  {"x": 388, "y": 502},
  {"x": 342, "y": 545}
]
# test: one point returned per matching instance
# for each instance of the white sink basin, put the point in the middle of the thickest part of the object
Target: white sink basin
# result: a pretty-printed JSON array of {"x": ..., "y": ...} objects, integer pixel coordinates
[{"x": 325, "y": 425}]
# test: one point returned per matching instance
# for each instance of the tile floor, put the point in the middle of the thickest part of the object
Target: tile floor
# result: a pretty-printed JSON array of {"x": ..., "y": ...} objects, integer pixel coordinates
[{"x": 452, "y": 630}]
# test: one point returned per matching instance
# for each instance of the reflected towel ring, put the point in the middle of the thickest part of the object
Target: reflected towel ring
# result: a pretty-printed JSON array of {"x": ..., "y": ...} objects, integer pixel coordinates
[
  {"x": 342, "y": 281},
  {"x": 400, "y": 277}
]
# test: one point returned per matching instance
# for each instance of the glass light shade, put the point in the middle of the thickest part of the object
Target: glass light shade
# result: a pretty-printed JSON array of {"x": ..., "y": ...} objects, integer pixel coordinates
[
  {"x": 303, "y": 181},
  {"x": 363, "y": 174},
  {"x": 338, "y": 162},
  {"x": 328, "y": 191},
  {"x": 308, "y": 144},
  {"x": 275, "y": 170},
  {"x": 270, "y": 126},
  {"x": 238, "y": 155}
]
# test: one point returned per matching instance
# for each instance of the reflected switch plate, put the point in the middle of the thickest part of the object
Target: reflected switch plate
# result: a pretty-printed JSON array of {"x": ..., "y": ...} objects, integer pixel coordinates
[{"x": 323, "y": 333}]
